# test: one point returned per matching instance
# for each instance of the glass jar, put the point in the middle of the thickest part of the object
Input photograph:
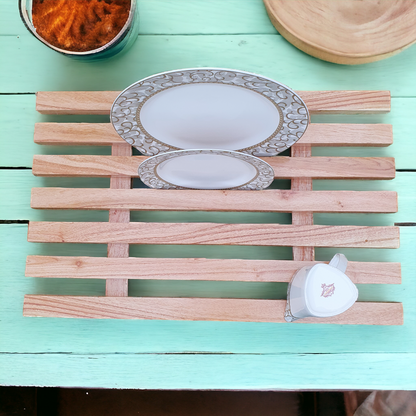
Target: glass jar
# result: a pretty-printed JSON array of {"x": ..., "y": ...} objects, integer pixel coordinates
[{"x": 122, "y": 41}]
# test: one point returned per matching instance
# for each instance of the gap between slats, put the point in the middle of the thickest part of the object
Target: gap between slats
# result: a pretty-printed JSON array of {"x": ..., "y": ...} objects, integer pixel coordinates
[
  {"x": 318, "y": 102},
  {"x": 199, "y": 309},
  {"x": 284, "y": 167},
  {"x": 103, "y": 134},
  {"x": 214, "y": 234},
  {"x": 197, "y": 269},
  {"x": 212, "y": 200}
]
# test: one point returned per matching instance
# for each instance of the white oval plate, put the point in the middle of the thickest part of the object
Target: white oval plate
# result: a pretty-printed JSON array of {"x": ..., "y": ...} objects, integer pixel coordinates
[
  {"x": 209, "y": 108},
  {"x": 206, "y": 169}
]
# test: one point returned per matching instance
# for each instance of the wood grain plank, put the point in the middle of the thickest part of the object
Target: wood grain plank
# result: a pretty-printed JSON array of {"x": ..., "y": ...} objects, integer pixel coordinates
[
  {"x": 269, "y": 55},
  {"x": 20, "y": 183},
  {"x": 346, "y": 102},
  {"x": 261, "y": 54},
  {"x": 196, "y": 269},
  {"x": 200, "y": 370},
  {"x": 284, "y": 167},
  {"x": 214, "y": 234},
  {"x": 317, "y": 134},
  {"x": 118, "y": 287},
  {"x": 76, "y": 134},
  {"x": 199, "y": 309},
  {"x": 360, "y": 135},
  {"x": 75, "y": 102},
  {"x": 302, "y": 253},
  {"x": 318, "y": 102},
  {"x": 275, "y": 200}
]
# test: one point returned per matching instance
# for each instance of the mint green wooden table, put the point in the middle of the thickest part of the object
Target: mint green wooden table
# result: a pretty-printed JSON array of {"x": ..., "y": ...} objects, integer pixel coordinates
[{"x": 196, "y": 355}]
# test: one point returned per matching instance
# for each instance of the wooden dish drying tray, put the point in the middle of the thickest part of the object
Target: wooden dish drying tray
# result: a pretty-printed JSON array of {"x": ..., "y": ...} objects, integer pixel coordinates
[{"x": 118, "y": 233}]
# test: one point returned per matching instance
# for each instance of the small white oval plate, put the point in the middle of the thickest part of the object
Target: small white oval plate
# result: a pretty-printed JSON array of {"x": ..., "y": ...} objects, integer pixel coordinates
[
  {"x": 209, "y": 108},
  {"x": 206, "y": 169}
]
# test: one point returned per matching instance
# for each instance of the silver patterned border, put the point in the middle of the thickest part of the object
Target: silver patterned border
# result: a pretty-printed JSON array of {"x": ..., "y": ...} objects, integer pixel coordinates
[
  {"x": 293, "y": 121},
  {"x": 149, "y": 176}
]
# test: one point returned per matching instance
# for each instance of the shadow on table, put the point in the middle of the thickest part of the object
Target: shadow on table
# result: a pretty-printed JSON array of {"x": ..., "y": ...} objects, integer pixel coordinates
[{"x": 32, "y": 401}]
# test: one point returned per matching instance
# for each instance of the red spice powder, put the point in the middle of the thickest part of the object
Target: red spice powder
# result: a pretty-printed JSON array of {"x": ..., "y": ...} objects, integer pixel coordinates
[{"x": 79, "y": 25}]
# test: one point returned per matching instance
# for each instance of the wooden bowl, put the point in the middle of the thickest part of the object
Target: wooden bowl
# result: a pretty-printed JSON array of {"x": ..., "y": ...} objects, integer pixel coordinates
[{"x": 346, "y": 32}]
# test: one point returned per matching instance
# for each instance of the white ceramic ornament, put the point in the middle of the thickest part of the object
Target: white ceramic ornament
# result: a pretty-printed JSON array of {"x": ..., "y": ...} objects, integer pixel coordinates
[{"x": 320, "y": 291}]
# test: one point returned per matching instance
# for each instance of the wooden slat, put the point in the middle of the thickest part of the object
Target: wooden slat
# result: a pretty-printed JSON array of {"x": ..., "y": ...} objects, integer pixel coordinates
[
  {"x": 199, "y": 309},
  {"x": 196, "y": 269},
  {"x": 302, "y": 253},
  {"x": 103, "y": 134},
  {"x": 118, "y": 287},
  {"x": 76, "y": 134},
  {"x": 214, "y": 234},
  {"x": 75, "y": 102},
  {"x": 328, "y": 102},
  {"x": 348, "y": 135},
  {"x": 346, "y": 102},
  {"x": 275, "y": 200},
  {"x": 284, "y": 167}
]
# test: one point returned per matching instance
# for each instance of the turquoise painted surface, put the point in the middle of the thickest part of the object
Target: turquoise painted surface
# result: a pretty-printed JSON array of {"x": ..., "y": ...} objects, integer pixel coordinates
[
  {"x": 269, "y": 55},
  {"x": 196, "y": 355},
  {"x": 202, "y": 371}
]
